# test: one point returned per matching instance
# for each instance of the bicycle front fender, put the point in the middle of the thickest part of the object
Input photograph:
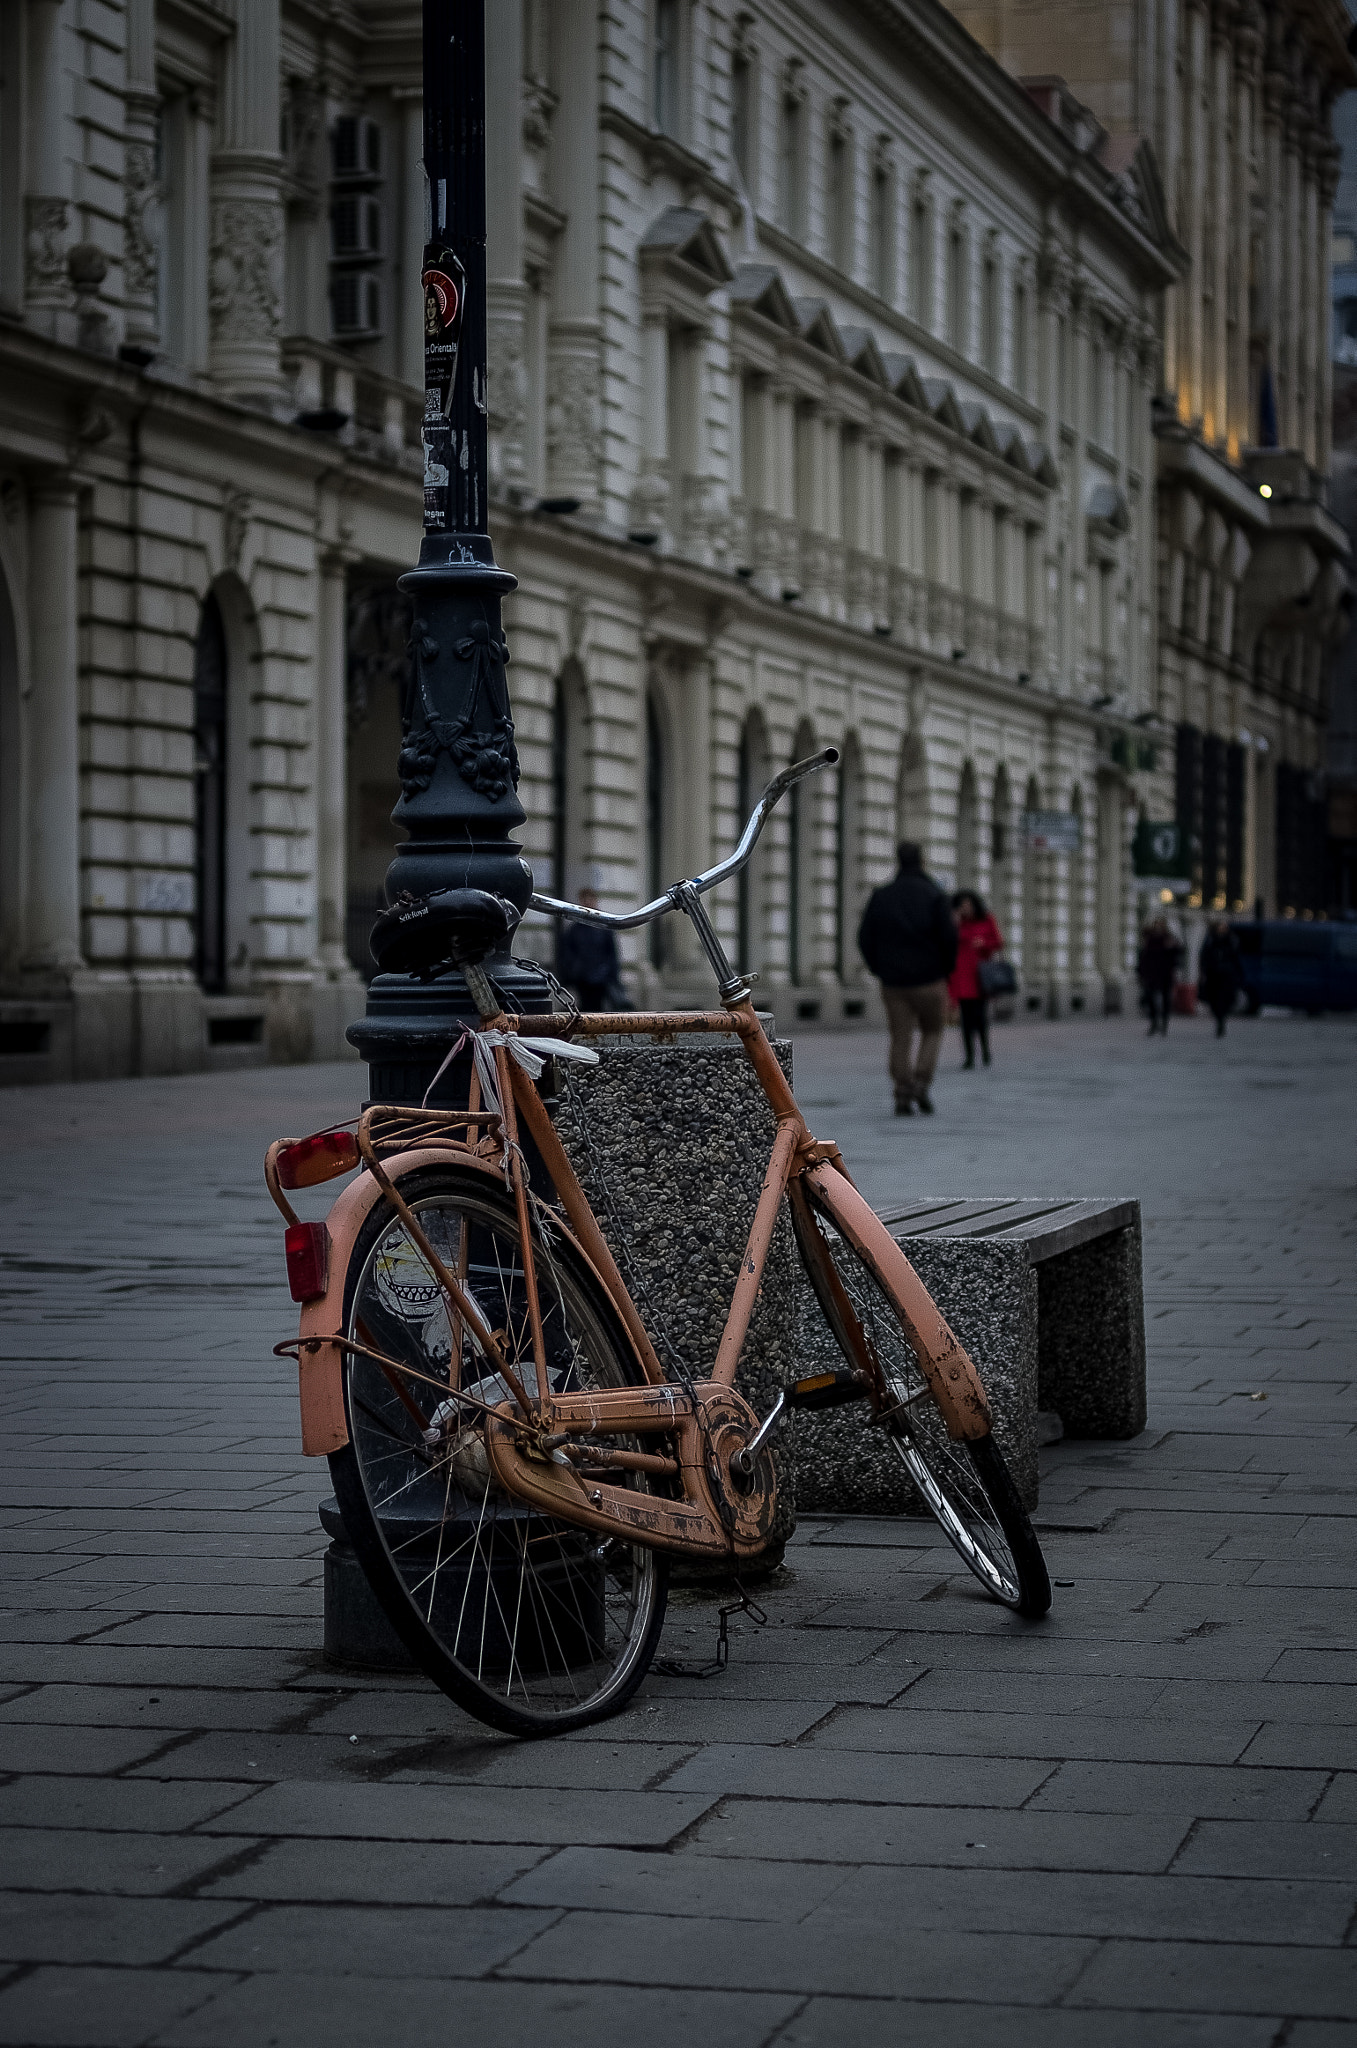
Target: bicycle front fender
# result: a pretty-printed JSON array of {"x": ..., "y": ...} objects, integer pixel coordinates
[
  {"x": 320, "y": 1369},
  {"x": 943, "y": 1360}
]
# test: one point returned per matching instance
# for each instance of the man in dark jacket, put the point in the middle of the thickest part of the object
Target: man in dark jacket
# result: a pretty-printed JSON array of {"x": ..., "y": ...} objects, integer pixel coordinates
[
  {"x": 908, "y": 939},
  {"x": 1157, "y": 970},
  {"x": 586, "y": 960},
  {"x": 1220, "y": 972}
]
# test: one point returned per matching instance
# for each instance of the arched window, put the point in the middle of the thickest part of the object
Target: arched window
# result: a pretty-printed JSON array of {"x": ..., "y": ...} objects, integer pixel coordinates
[
  {"x": 656, "y": 876},
  {"x": 1001, "y": 849},
  {"x": 569, "y": 835},
  {"x": 968, "y": 831},
  {"x": 1031, "y": 894},
  {"x": 1078, "y": 871},
  {"x": 800, "y": 864},
  {"x": 210, "y": 796},
  {"x": 11, "y": 816},
  {"x": 847, "y": 860},
  {"x": 752, "y": 780}
]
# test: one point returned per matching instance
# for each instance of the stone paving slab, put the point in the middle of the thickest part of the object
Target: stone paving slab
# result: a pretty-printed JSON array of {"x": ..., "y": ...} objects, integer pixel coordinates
[{"x": 900, "y": 1816}]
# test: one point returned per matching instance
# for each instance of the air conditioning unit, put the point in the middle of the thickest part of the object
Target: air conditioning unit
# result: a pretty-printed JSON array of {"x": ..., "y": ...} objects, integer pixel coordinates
[
  {"x": 356, "y": 304},
  {"x": 356, "y": 226},
  {"x": 356, "y": 147}
]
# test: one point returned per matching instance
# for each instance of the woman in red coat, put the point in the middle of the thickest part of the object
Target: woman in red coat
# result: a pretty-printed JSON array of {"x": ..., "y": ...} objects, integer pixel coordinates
[{"x": 978, "y": 938}]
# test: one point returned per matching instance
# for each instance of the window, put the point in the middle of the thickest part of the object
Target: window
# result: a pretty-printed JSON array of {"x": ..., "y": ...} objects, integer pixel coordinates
[
  {"x": 921, "y": 261},
  {"x": 791, "y": 161},
  {"x": 882, "y": 231},
  {"x": 664, "y": 100},
  {"x": 957, "y": 322},
  {"x": 989, "y": 312},
  {"x": 656, "y": 878},
  {"x": 1020, "y": 338},
  {"x": 839, "y": 197},
  {"x": 753, "y": 776},
  {"x": 356, "y": 229},
  {"x": 210, "y": 796},
  {"x": 742, "y": 117}
]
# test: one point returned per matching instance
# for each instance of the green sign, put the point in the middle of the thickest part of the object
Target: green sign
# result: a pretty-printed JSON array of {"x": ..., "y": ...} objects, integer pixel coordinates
[{"x": 1159, "y": 849}]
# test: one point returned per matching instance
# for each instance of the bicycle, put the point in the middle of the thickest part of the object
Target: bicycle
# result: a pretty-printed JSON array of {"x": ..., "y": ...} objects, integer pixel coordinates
[{"x": 513, "y": 1464}]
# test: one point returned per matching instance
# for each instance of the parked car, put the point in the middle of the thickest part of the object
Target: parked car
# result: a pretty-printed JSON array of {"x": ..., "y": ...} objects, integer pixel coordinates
[{"x": 1300, "y": 966}]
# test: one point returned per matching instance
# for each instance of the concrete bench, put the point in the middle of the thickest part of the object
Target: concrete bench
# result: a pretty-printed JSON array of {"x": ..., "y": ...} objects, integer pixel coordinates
[{"x": 1045, "y": 1295}]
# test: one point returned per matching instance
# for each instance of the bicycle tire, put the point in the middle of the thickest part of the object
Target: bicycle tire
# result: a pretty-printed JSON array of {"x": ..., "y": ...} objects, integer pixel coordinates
[
  {"x": 965, "y": 1486},
  {"x": 533, "y": 1625}
]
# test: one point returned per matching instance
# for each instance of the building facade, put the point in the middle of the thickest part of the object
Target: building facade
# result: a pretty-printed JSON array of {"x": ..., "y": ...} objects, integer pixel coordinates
[
  {"x": 1238, "y": 99},
  {"x": 821, "y": 360}
]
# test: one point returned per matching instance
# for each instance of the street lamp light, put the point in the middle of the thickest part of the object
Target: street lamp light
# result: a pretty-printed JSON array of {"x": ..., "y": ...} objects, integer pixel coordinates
[{"x": 458, "y": 764}]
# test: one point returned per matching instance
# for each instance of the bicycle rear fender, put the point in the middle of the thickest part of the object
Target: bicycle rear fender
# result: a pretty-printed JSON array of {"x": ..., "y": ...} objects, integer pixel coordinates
[
  {"x": 321, "y": 1371},
  {"x": 952, "y": 1378}
]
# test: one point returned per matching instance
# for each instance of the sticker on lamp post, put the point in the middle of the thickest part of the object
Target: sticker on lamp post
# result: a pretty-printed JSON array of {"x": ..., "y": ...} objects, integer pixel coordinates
[{"x": 444, "y": 282}]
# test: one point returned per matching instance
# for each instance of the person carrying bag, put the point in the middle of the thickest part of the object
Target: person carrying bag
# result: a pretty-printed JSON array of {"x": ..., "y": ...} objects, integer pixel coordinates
[{"x": 979, "y": 973}]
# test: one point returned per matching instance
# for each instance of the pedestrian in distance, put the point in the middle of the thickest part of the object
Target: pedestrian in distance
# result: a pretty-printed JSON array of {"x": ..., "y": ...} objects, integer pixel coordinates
[
  {"x": 908, "y": 939},
  {"x": 1220, "y": 972},
  {"x": 978, "y": 939},
  {"x": 1157, "y": 970},
  {"x": 586, "y": 960}
]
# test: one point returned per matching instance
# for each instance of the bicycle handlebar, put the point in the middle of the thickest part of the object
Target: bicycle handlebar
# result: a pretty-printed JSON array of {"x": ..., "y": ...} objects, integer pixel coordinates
[{"x": 627, "y": 920}]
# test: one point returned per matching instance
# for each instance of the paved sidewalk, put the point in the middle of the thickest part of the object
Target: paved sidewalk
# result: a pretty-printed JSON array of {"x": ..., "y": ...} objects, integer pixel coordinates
[{"x": 899, "y": 1816}]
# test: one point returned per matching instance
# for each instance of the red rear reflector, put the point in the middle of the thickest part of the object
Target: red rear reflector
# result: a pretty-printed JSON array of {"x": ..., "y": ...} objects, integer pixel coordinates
[
  {"x": 312, "y": 1160},
  {"x": 308, "y": 1259}
]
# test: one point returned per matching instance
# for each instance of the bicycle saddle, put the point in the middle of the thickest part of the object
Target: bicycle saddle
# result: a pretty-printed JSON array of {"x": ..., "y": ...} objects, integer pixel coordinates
[{"x": 420, "y": 935}]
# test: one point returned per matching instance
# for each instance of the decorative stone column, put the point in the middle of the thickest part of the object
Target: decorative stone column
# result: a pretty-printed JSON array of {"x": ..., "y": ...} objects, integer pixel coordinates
[
  {"x": 141, "y": 195},
  {"x": 575, "y": 378},
  {"x": 649, "y": 516},
  {"x": 47, "y": 211},
  {"x": 247, "y": 229},
  {"x": 52, "y": 932},
  {"x": 506, "y": 291}
]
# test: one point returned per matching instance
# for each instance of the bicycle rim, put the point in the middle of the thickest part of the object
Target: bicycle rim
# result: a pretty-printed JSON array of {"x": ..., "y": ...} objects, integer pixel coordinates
[
  {"x": 531, "y": 1624},
  {"x": 965, "y": 1486}
]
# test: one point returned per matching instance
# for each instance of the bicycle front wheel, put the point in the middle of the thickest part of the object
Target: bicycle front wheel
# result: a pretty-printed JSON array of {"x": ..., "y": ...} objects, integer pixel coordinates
[
  {"x": 965, "y": 1485},
  {"x": 531, "y": 1624}
]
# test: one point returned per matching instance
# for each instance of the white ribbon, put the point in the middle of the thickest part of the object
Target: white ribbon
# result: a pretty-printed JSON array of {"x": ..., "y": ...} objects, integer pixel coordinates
[{"x": 531, "y": 1054}]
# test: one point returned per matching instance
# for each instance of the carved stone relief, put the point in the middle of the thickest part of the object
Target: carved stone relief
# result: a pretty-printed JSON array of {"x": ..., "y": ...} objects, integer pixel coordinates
[
  {"x": 141, "y": 206},
  {"x": 508, "y": 389},
  {"x": 46, "y": 224},
  {"x": 246, "y": 276},
  {"x": 574, "y": 422}
]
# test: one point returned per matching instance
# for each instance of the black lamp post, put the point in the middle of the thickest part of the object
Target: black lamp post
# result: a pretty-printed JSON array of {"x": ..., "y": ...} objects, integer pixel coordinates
[{"x": 458, "y": 765}]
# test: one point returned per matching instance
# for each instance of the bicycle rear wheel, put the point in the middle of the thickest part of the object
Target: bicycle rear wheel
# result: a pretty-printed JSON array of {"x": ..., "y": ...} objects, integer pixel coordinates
[
  {"x": 966, "y": 1486},
  {"x": 529, "y": 1623}
]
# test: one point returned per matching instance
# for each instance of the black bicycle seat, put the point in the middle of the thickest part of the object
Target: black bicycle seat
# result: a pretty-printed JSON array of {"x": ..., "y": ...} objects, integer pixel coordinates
[{"x": 447, "y": 928}]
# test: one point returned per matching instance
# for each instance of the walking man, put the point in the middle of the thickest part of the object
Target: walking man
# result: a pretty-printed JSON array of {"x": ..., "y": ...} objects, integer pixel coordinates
[
  {"x": 1220, "y": 972},
  {"x": 909, "y": 941},
  {"x": 1157, "y": 968},
  {"x": 586, "y": 960}
]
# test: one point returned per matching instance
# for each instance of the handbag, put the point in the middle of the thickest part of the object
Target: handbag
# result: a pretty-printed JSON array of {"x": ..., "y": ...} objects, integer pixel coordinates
[{"x": 997, "y": 978}]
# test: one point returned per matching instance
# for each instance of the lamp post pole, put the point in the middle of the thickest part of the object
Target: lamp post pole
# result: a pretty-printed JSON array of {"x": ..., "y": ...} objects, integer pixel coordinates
[{"x": 458, "y": 764}]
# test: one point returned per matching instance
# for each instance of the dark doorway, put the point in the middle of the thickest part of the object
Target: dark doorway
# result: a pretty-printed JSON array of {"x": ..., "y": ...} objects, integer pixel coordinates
[{"x": 210, "y": 777}]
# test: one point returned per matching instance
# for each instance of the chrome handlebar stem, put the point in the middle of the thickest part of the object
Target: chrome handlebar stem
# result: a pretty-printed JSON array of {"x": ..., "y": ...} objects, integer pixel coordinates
[{"x": 684, "y": 895}]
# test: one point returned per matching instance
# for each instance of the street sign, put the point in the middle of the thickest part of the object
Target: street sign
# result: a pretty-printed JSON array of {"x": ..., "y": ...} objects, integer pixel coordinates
[
  {"x": 1051, "y": 831},
  {"x": 1159, "y": 848}
]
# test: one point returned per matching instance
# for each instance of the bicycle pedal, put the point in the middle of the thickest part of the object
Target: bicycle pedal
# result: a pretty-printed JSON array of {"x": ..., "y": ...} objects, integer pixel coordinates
[{"x": 826, "y": 1389}]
